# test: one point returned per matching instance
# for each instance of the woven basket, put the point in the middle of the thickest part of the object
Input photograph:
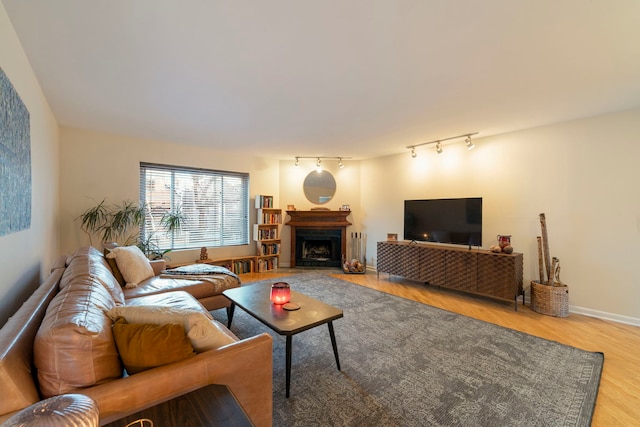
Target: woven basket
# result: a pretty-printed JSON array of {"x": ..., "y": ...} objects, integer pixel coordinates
[{"x": 550, "y": 300}]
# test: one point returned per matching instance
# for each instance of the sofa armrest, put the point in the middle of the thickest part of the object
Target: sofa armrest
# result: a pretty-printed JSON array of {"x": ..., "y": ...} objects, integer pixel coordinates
[
  {"x": 244, "y": 366},
  {"x": 158, "y": 265}
]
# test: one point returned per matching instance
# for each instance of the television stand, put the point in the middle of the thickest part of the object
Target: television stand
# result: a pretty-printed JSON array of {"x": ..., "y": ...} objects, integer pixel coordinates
[{"x": 476, "y": 271}]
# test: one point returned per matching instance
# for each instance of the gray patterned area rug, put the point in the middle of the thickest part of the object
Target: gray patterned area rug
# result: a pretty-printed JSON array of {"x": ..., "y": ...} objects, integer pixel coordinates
[{"x": 409, "y": 364}]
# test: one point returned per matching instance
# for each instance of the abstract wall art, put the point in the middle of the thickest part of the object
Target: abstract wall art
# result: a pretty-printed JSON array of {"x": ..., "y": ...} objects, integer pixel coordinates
[{"x": 15, "y": 160}]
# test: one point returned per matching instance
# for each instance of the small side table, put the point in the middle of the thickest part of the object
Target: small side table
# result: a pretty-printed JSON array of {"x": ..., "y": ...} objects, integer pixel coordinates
[{"x": 213, "y": 405}]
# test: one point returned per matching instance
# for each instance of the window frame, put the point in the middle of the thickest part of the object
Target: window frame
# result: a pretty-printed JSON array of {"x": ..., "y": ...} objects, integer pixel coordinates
[{"x": 223, "y": 221}]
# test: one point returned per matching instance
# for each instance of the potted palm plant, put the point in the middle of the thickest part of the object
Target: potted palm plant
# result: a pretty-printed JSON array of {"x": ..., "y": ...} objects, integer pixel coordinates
[{"x": 122, "y": 223}]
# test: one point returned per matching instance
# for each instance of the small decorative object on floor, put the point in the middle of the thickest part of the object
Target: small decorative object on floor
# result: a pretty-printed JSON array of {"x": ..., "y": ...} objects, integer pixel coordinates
[
  {"x": 357, "y": 250},
  {"x": 549, "y": 296},
  {"x": 280, "y": 293},
  {"x": 63, "y": 410},
  {"x": 550, "y": 300},
  {"x": 354, "y": 266}
]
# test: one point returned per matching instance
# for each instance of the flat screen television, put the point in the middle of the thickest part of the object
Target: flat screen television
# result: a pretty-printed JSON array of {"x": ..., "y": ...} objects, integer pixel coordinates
[{"x": 456, "y": 221}]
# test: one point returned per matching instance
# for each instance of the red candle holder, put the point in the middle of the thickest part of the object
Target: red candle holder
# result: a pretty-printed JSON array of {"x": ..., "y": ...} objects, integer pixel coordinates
[{"x": 280, "y": 293}]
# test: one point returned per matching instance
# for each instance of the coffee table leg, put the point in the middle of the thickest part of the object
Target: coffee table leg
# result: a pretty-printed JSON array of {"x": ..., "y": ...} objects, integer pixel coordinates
[
  {"x": 333, "y": 344},
  {"x": 288, "y": 374},
  {"x": 230, "y": 311}
]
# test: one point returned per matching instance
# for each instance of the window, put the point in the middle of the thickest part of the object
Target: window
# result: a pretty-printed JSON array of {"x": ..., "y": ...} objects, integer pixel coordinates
[{"x": 214, "y": 206}]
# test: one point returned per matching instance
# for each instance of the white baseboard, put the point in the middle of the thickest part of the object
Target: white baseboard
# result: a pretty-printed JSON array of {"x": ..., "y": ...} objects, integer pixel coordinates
[
  {"x": 634, "y": 321},
  {"x": 604, "y": 315},
  {"x": 597, "y": 314}
]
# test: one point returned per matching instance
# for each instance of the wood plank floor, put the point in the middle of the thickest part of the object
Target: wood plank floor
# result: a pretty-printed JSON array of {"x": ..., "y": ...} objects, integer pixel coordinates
[{"x": 618, "y": 402}]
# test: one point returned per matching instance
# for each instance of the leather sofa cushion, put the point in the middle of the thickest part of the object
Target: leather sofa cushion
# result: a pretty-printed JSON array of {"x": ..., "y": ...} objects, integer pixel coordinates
[
  {"x": 17, "y": 386},
  {"x": 88, "y": 263},
  {"x": 74, "y": 345},
  {"x": 202, "y": 288},
  {"x": 179, "y": 300},
  {"x": 182, "y": 301}
]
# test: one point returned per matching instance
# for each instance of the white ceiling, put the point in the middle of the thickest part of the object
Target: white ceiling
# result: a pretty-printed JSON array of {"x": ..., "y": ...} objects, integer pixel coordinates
[{"x": 360, "y": 78}]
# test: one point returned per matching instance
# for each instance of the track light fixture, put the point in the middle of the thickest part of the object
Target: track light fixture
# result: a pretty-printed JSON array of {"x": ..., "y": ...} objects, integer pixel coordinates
[
  {"x": 439, "y": 142},
  {"x": 468, "y": 142},
  {"x": 319, "y": 160}
]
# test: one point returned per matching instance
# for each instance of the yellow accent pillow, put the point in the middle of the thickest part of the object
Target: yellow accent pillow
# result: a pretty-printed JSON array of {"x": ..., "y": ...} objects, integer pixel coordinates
[
  {"x": 143, "y": 346},
  {"x": 204, "y": 333}
]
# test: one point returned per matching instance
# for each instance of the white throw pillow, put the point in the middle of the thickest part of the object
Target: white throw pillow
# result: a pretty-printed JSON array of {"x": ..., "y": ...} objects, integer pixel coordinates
[
  {"x": 204, "y": 333},
  {"x": 132, "y": 263}
]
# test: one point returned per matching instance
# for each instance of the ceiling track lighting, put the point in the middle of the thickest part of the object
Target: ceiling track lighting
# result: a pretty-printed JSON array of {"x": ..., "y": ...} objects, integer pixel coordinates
[
  {"x": 319, "y": 160},
  {"x": 438, "y": 143},
  {"x": 468, "y": 142}
]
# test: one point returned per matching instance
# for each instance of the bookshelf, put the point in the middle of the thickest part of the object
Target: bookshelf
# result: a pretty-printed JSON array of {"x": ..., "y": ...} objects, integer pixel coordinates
[{"x": 266, "y": 234}]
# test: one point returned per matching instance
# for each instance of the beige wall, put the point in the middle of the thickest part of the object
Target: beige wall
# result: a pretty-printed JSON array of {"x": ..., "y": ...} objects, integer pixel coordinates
[
  {"x": 582, "y": 174},
  {"x": 291, "y": 193},
  {"x": 26, "y": 256},
  {"x": 96, "y": 165}
]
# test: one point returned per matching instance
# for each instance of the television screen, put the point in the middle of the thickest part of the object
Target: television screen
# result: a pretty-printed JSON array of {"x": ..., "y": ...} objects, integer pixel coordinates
[{"x": 457, "y": 221}]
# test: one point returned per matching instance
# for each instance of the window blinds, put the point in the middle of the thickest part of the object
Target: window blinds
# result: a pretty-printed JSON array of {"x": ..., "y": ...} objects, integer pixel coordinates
[{"x": 214, "y": 204}]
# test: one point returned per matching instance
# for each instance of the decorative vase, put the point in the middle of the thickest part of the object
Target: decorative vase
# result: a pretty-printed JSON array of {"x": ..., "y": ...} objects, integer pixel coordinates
[{"x": 504, "y": 240}]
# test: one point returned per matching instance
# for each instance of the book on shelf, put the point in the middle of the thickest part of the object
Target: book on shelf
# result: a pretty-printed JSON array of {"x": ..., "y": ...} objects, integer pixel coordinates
[
  {"x": 267, "y": 264},
  {"x": 270, "y": 249},
  {"x": 265, "y": 233},
  {"x": 243, "y": 266},
  {"x": 269, "y": 217},
  {"x": 264, "y": 201}
]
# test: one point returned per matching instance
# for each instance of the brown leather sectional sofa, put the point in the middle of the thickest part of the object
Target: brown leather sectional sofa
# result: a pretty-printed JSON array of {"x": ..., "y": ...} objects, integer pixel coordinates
[{"x": 60, "y": 341}]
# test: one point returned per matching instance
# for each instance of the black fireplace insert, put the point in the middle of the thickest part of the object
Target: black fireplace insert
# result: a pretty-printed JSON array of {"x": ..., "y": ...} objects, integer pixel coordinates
[{"x": 318, "y": 248}]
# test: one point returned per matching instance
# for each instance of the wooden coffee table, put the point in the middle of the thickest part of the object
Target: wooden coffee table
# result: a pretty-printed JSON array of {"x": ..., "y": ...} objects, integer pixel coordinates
[{"x": 254, "y": 299}]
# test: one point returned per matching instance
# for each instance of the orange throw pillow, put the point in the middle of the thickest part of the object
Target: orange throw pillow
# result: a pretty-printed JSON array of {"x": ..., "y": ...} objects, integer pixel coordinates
[{"x": 143, "y": 346}]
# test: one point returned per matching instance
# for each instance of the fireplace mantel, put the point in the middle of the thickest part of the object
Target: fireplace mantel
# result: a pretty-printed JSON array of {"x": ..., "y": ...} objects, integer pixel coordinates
[{"x": 317, "y": 220}]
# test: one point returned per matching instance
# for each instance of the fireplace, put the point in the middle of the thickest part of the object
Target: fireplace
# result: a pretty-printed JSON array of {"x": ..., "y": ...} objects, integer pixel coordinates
[
  {"x": 318, "y": 237},
  {"x": 318, "y": 248}
]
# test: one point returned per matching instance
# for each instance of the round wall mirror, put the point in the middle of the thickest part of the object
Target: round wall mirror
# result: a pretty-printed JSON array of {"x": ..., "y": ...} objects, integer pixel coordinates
[{"x": 319, "y": 187}]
